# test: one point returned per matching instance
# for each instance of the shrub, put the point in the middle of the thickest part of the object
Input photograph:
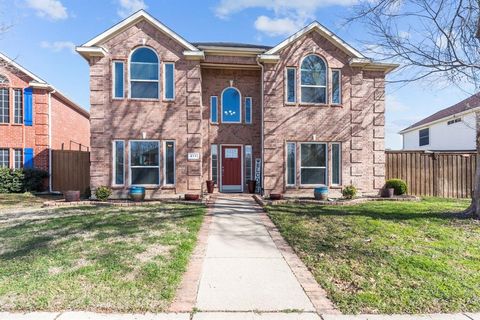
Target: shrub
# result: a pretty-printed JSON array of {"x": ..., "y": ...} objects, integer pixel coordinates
[
  {"x": 34, "y": 179},
  {"x": 21, "y": 180},
  {"x": 102, "y": 193},
  {"x": 399, "y": 186},
  {"x": 349, "y": 192}
]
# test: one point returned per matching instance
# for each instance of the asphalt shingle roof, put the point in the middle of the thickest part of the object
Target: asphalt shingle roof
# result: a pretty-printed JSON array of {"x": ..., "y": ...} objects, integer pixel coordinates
[{"x": 231, "y": 45}]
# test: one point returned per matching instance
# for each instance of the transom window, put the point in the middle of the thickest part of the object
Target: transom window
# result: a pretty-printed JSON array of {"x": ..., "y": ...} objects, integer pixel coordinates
[
  {"x": 144, "y": 162},
  {"x": 144, "y": 74},
  {"x": 231, "y": 106},
  {"x": 313, "y": 163},
  {"x": 313, "y": 83}
]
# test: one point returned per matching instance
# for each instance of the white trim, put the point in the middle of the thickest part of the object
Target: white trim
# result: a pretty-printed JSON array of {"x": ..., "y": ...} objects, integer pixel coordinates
[
  {"x": 22, "y": 69},
  {"x": 143, "y": 80},
  {"x": 339, "y": 86},
  {"x": 194, "y": 55},
  {"x": 130, "y": 164},
  {"x": 231, "y": 188},
  {"x": 320, "y": 167},
  {"x": 164, "y": 80},
  {"x": 114, "y": 156},
  {"x": 294, "y": 85},
  {"x": 294, "y": 164},
  {"x": 314, "y": 86},
  {"x": 134, "y": 18},
  {"x": 216, "y": 107},
  {"x": 240, "y": 106},
  {"x": 268, "y": 58},
  {"x": 165, "y": 163},
  {"x": 114, "y": 79},
  {"x": 248, "y": 121},
  {"x": 316, "y": 26},
  {"x": 419, "y": 137},
  {"x": 339, "y": 163}
]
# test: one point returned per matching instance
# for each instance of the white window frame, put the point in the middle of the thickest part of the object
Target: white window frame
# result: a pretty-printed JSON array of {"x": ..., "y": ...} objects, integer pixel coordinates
[
  {"x": 165, "y": 163},
  {"x": 240, "y": 106},
  {"x": 8, "y": 157},
  {"x": 419, "y": 138},
  {"x": 130, "y": 164},
  {"x": 8, "y": 93},
  {"x": 211, "y": 108},
  {"x": 294, "y": 164},
  {"x": 249, "y": 149},
  {"x": 314, "y": 86},
  {"x": 326, "y": 164},
  {"x": 114, "y": 156},
  {"x": 339, "y": 86},
  {"x": 294, "y": 85},
  {"x": 164, "y": 80},
  {"x": 248, "y": 120},
  {"x": 114, "y": 80},
  {"x": 339, "y": 163},
  {"x": 15, "y": 158},
  {"x": 141, "y": 80}
]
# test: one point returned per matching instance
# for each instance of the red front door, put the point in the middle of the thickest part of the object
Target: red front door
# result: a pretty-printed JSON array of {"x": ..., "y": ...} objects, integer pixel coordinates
[{"x": 231, "y": 168}]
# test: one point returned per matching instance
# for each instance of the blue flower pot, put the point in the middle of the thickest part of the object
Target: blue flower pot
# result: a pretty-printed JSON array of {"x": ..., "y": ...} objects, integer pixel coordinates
[
  {"x": 137, "y": 193},
  {"x": 321, "y": 193}
]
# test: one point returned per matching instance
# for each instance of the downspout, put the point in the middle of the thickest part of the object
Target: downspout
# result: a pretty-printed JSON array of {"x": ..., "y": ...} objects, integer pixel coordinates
[
  {"x": 262, "y": 135},
  {"x": 50, "y": 140}
]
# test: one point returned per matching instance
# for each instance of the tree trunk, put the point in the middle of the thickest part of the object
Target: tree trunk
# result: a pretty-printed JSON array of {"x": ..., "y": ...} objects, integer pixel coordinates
[{"x": 474, "y": 209}]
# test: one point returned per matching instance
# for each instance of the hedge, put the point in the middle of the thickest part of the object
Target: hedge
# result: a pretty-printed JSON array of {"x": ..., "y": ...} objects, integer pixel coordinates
[{"x": 21, "y": 180}]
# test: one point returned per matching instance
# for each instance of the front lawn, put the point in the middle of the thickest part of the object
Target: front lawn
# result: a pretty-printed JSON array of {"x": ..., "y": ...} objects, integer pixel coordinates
[
  {"x": 9, "y": 201},
  {"x": 388, "y": 257},
  {"x": 100, "y": 259}
]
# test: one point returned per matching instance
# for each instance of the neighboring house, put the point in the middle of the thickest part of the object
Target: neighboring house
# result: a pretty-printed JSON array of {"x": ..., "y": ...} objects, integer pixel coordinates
[
  {"x": 450, "y": 129},
  {"x": 36, "y": 118},
  {"x": 169, "y": 114}
]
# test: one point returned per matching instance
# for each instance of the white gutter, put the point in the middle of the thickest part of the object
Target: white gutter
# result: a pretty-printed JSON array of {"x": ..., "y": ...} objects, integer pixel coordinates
[
  {"x": 261, "y": 127},
  {"x": 50, "y": 140}
]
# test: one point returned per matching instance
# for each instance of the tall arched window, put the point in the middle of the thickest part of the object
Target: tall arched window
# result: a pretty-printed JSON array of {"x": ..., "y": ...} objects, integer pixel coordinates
[
  {"x": 144, "y": 74},
  {"x": 313, "y": 80},
  {"x": 231, "y": 106}
]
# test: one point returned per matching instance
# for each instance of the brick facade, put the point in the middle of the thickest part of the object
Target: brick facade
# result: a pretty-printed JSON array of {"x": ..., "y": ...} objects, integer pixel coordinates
[
  {"x": 68, "y": 122},
  {"x": 357, "y": 123}
]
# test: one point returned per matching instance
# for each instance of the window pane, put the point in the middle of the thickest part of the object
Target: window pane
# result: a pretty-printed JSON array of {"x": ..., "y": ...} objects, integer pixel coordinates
[
  {"x": 144, "y": 71},
  {"x": 214, "y": 109},
  {"x": 118, "y": 85},
  {"x": 424, "y": 137},
  {"x": 145, "y": 176},
  {"x": 4, "y": 158},
  {"x": 291, "y": 96},
  {"x": 314, "y": 95},
  {"x": 336, "y": 91},
  {"x": 248, "y": 110},
  {"x": 146, "y": 90},
  {"x": 169, "y": 81},
  {"x": 18, "y": 106},
  {"x": 313, "y": 155},
  {"x": 214, "y": 163},
  {"x": 18, "y": 159},
  {"x": 248, "y": 163},
  {"x": 4, "y": 106},
  {"x": 336, "y": 163},
  {"x": 144, "y": 55},
  {"x": 231, "y": 106},
  {"x": 314, "y": 71},
  {"x": 144, "y": 153},
  {"x": 169, "y": 162},
  {"x": 291, "y": 155},
  {"x": 313, "y": 175},
  {"x": 119, "y": 162}
]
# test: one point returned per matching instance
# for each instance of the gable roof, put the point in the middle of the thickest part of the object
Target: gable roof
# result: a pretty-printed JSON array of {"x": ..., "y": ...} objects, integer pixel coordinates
[
  {"x": 133, "y": 19},
  {"x": 329, "y": 35},
  {"x": 461, "y": 107},
  {"x": 14, "y": 64}
]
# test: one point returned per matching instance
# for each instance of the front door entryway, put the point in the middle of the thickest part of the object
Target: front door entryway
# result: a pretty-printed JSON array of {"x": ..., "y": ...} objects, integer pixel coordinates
[{"x": 231, "y": 169}]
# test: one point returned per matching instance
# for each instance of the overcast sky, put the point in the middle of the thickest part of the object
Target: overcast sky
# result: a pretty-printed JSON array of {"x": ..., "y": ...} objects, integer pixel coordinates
[{"x": 43, "y": 35}]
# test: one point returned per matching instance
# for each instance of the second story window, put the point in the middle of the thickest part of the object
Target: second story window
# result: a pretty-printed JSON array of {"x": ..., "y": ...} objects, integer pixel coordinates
[
  {"x": 144, "y": 74},
  {"x": 117, "y": 79},
  {"x": 313, "y": 82},
  {"x": 231, "y": 106},
  {"x": 4, "y": 105},
  {"x": 18, "y": 106},
  {"x": 424, "y": 137}
]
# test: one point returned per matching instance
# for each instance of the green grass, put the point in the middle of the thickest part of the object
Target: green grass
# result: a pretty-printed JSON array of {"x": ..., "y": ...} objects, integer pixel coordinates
[
  {"x": 100, "y": 259},
  {"x": 10, "y": 201},
  {"x": 389, "y": 257}
]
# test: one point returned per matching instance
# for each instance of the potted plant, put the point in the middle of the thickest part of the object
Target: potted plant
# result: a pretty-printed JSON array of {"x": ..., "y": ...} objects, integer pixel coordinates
[
  {"x": 210, "y": 186},
  {"x": 72, "y": 195},
  {"x": 252, "y": 184},
  {"x": 321, "y": 193},
  {"x": 388, "y": 192},
  {"x": 137, "y": 194}
]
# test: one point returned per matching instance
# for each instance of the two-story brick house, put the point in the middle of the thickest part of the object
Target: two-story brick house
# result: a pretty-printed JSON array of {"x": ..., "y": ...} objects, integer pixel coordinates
[
  {"x": 169, "y": 114},
  {"x": 35, "y": 118}
]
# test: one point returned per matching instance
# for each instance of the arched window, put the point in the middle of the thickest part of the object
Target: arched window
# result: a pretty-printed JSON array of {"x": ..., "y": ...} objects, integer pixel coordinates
[
  {"x": 231, "y": 106},
  {"x": 144, "y": 74},
  {"x": 3, "y": 79},
  {"x": 313, "y": 80}
]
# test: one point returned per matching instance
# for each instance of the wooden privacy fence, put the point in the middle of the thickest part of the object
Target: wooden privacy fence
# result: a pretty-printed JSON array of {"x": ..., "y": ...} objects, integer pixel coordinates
[
  {"x": 439, "y": 174},
  {"x": 70, "y": 170}
]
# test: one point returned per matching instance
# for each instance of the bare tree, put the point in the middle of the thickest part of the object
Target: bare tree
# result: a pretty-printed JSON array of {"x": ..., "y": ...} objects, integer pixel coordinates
[{"x": 437, "y": 40}]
